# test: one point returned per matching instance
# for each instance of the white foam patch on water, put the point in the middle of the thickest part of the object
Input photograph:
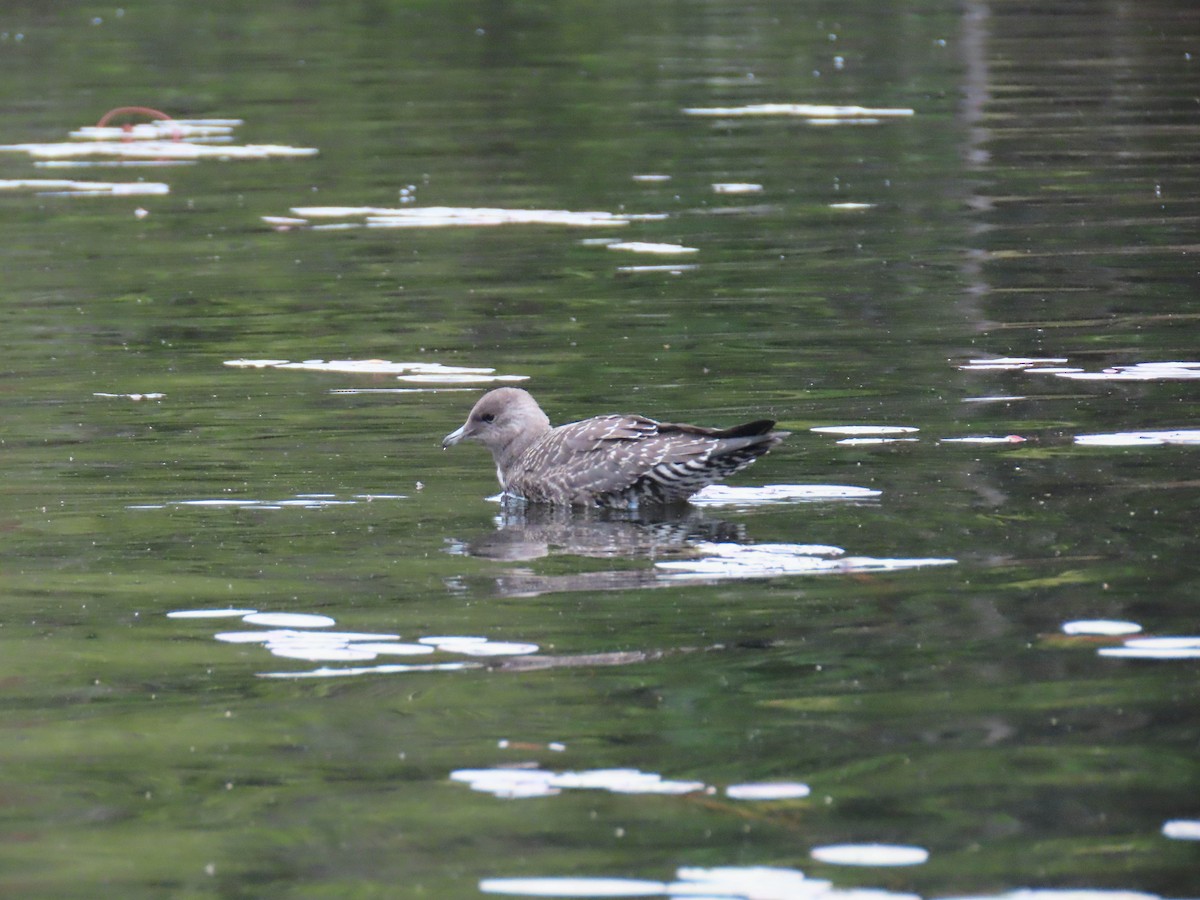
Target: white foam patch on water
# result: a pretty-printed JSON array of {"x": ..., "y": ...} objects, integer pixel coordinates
[
  {"x": 718, "y": 883},
  {"x": 160, "y": 129},
  {"x": 472, "y": 217},
  {"x": 1062, "y": 894},
  {"x": 727, "y": 495},
  {"x": 227, "y": 613},
  {"x": 387, "y": 669},
  {"x": 650, "y": 247},
  {"x": 1147, "y": 371},
  {"x": 569, "y": 886},
  {"x": 382, "y": 648},
  {"x": 672, "y": 270},
  {"x": 1165, "y": 643},
  {"x": 513, "y": 784},
  {"x": 804, "y": 110},
  {"x": 864, "y": 429},
  {"x": 1175, "y": 370},
  {"x": 736, "y": 187},
  {"x": 729, "y": 560},
  {"x": 318, "y": 651},
  {"x": 417, "y": 372},
  {"x": 768, "y": 790},
  {"x": 870, "y": 855},
  {"x": 867, "y": 441},
  {"x": 982, "y": 439},
  {"x": 1184, "y": 436},
  {"x": 460, "y": 379},
  {"x": 1010, "y": 363},
  {"x": 304, "y": 636},
  {"x": 156, "y": 150},
  {"x": 303, "y": 501},
  {"x": 1182, "y": 829},
  {"x": 65, "y": 187},
  {"x": 289, "y": 620},
  {"x": 1110, "y": 627},
  {"x": 479, "y": 646},
  {"x": 1128, "y": 652}
]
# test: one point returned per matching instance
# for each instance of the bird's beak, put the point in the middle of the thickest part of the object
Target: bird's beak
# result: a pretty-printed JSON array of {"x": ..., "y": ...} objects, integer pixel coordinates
[{"x": 454, "y": 437}]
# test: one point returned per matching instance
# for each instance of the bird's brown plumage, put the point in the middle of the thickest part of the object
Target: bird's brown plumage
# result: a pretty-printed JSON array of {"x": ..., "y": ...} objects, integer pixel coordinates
[{"x": 612, "y": 460}]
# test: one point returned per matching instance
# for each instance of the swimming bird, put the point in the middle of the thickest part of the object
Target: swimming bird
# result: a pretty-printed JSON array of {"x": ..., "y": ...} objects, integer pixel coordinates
[{"x": 617, "y": 461}]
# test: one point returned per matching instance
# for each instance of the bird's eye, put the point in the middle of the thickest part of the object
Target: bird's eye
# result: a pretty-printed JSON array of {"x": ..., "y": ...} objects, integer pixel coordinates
[{"x": 488, "y": 417}]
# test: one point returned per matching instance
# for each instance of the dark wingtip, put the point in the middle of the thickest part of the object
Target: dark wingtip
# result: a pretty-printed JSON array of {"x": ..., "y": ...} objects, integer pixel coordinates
[{"x": 750, "y": 429}]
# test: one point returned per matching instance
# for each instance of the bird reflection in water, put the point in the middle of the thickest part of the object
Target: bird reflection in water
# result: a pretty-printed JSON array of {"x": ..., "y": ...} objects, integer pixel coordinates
[{"x": 527, "y": 532}]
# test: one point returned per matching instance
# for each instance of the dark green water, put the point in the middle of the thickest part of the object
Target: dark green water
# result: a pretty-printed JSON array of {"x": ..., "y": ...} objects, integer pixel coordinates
[{"x": 1041, "y": 202}]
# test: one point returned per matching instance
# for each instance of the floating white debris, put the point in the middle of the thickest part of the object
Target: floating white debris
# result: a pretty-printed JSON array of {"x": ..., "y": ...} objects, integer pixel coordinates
[
  {"x": 209, "y": 613},
  {"x": 388, "y": 669},
  {"x": 1128, "y": 652},
  {"x": 734, "y": 187},
  {"x": 302, "y": 502},
  {"x": 1165, "y": 643},
  {"x": 982, "y": 439},
  {"x": 508, "y": 784},
  {"x": 864, "y": 429},
  {"x": 1184, "y": 436},
  {"x": 494, "y": 648},
  {"x": 85, "y": 188},
  {"x": 1182, "y": 829},
  {"x": 1003, "y": 363},
  {"x": 865, "y": 441},
  {"x": 222, "y": 501},
  {"x": 851, "y": 205},
  {"x": 768, "y": 790},
  {"x": 643, "y": 269},
  {"x": 806, "y": 110},
  {"x": 569, "y": 886},
  {"x": 159, "y": 129},
  {"x": 1064, "y": 894},
  {"x": 135, "y": 397},
  {"x": 452, "y": 640},
  {"x": 750, "y": 883},
  {"x": 253, "y": 637},
  {"x": 651, "y": 178},
  {"x": 383, "y": 648},
  {"x": 648, "y": 247},
  {"x": 1107, "y": 627},
  {"x": 729, "y": 560},
  {"x": 870, "y": 855},
  {"x": 156, "y": 150},
  {"x": 719, "y": 883},
  {"x": 465, "y": 216},
  {"x": 1148, "y": 371},
  {"x": 419, "y": 372},
  {"x": 729, "y": 495},
  {"x": 289, "y": 620},
  {"x": 520, "y": 783},
  {"x": 255, "y": 363},
  {"x": 319, "y": 652},
  {"x": 451, "y": 378},
  {"x": 479, "y": 646},
  {"x": 626, "y": 781},
  {"x": 995, "y": 398}
]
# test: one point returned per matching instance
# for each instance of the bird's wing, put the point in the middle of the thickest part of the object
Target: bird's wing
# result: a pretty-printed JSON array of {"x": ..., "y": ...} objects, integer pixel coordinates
[{"x": 608, "y": 454}]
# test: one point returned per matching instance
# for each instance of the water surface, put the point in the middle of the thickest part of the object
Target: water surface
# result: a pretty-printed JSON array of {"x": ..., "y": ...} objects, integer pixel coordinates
[{"x": 877, "y": 617}]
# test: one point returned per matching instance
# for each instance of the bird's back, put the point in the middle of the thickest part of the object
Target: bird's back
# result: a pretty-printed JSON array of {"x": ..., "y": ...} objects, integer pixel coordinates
[{"x": 622, "y": 461}]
